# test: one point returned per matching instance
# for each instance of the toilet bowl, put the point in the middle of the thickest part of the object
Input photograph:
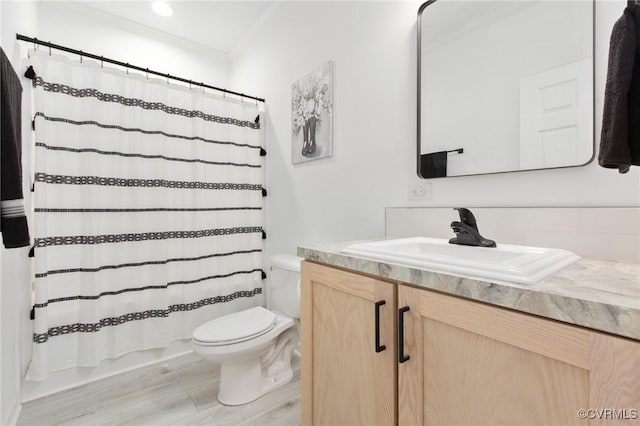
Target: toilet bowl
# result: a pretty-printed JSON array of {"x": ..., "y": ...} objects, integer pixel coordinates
[{"x": 254, "y": 347}]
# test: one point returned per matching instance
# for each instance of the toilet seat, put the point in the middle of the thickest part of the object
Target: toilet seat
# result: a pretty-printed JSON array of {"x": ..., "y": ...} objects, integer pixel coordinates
[{"x": 236, "y": 327}]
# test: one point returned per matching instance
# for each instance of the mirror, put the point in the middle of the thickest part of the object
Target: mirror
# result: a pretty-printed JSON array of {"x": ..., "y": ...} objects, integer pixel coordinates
[{"x": 504, "y": 86}]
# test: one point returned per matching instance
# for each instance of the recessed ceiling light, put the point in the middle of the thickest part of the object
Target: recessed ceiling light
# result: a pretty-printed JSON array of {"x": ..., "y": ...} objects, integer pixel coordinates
[{"x": 162, "y": 8}]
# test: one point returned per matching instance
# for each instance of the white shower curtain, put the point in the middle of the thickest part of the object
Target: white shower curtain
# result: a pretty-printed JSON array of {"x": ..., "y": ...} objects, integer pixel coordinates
[{"x": 148, "y": 211}]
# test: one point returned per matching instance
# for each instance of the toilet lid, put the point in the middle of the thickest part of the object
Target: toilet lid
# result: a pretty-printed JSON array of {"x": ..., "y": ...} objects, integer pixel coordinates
[{"x": 237, "y": 326}]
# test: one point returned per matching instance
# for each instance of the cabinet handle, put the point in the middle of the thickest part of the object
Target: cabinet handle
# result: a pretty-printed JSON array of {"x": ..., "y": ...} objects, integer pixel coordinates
[
  {"x": 379, "y": 347},
  {"x": 402, "y": 358}
]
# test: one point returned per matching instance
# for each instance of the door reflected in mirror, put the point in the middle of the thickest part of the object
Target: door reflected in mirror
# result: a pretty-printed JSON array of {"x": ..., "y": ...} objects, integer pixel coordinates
[{"x": 504, "y": 86}]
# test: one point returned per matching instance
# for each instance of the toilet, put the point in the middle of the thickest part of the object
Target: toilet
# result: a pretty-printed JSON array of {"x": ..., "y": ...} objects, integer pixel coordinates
[{"x": 254, "y": 347}]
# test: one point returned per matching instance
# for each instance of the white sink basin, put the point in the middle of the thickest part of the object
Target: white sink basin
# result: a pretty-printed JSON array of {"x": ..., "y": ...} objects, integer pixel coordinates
[{"x": 505, "y": 263}]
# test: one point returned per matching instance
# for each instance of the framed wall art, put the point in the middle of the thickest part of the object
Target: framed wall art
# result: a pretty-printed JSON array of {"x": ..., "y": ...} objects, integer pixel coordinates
[{"x": 312, "y": 115}]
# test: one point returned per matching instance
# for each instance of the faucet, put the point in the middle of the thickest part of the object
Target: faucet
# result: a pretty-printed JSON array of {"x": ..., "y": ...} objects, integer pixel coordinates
[{"x": 466, "y": 230}]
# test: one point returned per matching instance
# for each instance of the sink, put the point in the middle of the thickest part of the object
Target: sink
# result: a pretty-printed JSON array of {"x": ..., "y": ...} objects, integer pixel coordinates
[{"x": 505, "y": 263}]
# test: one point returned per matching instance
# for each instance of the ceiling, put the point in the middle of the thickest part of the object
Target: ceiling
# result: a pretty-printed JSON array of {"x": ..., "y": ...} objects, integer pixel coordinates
[{"x": 216, "y": 24}]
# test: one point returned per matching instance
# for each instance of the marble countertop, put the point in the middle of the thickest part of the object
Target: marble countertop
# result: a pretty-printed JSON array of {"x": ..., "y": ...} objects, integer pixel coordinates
[{"x": 598, "y": 294}]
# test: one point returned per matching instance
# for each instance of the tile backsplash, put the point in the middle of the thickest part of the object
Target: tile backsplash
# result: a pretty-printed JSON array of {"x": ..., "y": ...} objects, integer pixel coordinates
[{"x": 609, "y": 233}]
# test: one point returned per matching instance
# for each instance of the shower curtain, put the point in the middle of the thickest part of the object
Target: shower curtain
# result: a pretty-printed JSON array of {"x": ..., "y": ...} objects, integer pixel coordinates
[{"x": 147, "y": 211}]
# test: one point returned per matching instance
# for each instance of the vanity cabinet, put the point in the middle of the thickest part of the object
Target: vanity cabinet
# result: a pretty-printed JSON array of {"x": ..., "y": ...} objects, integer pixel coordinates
[
  {"x": 449, "y": 360},
  {"x": 349, "y": 374}
]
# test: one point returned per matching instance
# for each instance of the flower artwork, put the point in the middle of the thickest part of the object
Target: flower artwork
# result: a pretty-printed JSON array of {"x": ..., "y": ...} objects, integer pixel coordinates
[{"x": 311, "y": 115}]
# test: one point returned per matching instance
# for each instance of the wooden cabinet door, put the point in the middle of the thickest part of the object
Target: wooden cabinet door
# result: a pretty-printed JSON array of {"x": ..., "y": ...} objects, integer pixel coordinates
[
  {"x": 475, "y": 364},
  {"x": 345, "y": 381}
]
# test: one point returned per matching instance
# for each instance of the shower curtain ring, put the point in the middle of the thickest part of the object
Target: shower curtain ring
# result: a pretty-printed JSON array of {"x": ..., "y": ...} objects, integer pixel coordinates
[
  {"x": 147, "y": 73},
  {"x": 49, "y": 47},
  {"x": 101, "y": 61},
  {"x": 127, "y": 68},
  {"x": 202, "y": 84},
  {"x": 81, "y": 53},
  {"x": 168, "y": 78}
]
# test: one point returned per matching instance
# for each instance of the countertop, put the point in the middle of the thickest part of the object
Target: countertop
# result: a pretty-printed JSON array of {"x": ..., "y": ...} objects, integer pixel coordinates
[{"x": 597, "y": 294}]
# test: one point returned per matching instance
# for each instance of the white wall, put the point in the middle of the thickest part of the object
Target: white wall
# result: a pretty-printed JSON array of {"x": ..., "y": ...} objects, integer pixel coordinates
[
  {"x": 373, "y": 46},
  {"x": 84, "y": 28},
  {"x": 15, "y": 265}
]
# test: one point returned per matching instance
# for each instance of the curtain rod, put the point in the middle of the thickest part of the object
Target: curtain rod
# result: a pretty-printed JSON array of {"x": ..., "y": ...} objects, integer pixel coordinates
[{"x": 129, "y": 66}]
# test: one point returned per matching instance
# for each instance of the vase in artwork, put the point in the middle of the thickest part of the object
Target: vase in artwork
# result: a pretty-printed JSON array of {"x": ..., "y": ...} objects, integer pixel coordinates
[{"x": 309, "y": 136}]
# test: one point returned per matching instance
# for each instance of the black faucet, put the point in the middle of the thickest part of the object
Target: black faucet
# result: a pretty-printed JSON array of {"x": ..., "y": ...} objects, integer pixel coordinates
[{"x": 466, "y": 230}]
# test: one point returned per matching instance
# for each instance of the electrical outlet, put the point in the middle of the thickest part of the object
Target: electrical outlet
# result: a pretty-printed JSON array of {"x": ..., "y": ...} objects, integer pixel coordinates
[
  {"x": 420, "y": 192},
  {"x": 417, "y": 191}
]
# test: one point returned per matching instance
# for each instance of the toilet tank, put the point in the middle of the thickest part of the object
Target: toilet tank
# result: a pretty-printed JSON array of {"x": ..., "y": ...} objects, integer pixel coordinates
[{"x": 284, "y": 285}]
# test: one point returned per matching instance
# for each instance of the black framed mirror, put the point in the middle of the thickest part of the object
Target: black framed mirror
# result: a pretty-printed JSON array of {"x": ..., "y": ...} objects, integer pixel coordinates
[{"x": 504, "y": 86}]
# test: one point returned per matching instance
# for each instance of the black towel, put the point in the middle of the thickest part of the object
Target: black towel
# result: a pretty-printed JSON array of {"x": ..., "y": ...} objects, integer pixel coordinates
[
  {"x": 433, "y": 165},
  {"x": 620, "y": 137},
  {"x": 13, "y": 220}
]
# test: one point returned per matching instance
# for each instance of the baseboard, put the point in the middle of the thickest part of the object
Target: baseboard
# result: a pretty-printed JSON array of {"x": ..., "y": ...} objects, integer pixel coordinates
[{"x": 67, "y": 379}]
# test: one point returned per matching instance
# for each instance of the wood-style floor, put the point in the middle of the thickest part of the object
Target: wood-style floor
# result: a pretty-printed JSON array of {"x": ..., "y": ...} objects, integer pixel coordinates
[{"x": 181, "y": 391}]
